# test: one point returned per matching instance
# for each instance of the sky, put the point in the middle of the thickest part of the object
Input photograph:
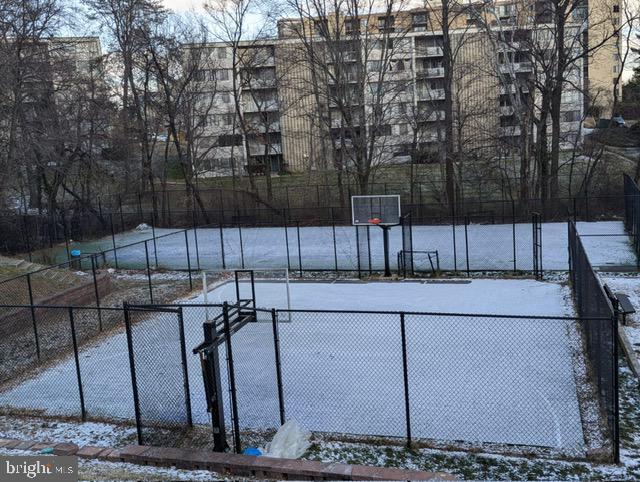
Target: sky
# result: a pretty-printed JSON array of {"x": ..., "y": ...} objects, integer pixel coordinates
[
  {"x": 197, "y": 7},
  {"x": 184, "y": 5}
]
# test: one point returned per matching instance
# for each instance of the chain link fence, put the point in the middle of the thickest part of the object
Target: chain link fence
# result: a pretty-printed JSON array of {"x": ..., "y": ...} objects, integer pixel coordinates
[
  {"x": 159, "y": 373},
  {"x": 632, "y": 211},
  {"x": 426, "y": 378},
  {"x": 599, "y": 326}
]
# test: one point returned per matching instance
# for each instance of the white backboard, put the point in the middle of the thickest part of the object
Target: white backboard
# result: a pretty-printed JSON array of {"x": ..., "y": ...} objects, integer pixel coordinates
[{"x": 386, "y": 208}]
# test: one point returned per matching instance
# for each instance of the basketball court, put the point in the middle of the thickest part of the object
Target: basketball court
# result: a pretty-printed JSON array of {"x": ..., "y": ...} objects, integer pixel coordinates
[{"x": 482, "y": 361}]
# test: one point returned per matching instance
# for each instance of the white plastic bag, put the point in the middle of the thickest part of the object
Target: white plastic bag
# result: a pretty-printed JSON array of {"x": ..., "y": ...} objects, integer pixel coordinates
[
  {"x": 143, "y": 227},
  {"x": 291, "y": 441}
]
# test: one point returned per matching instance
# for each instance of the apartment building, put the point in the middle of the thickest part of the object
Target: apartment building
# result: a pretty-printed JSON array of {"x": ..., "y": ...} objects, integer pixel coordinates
[
  {"x": 53, "y": 72},
  {"x": 326, "y": 91}
]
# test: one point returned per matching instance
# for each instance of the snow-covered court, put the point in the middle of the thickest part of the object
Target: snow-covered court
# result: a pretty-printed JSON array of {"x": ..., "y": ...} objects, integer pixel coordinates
[
  {"x": 476, "y": 247},
  {"x": 485, "y": 379}
]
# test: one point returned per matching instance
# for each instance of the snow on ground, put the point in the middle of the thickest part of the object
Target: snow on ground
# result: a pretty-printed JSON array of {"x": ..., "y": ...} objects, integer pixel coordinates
[
  {"x": 475, "y": 379},
  {"x": 490, "y": 247},
  {"x": 86, "y": 433},
  {"x": 494, "y": 296},
  {"x": 630, "y": 286}
]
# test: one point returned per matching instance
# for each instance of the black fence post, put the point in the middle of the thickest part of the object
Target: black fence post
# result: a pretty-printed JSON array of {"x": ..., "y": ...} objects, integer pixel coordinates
[
  {"x": 153, "y": 235},
  {"x": 74, "y": 339},
  {"x": 616, "y": 390},
  {"x": 232, "y": 379},
  {"x": 121, "y": 214},
  {"x": 195, "y": 237},
  {"x": 299, "y": 248},
  {"x": 132, "y": 367},
  {"x": 96, "y": 290},
  {"x": 466, "y": 242},
  {"x": 455, "y": 251},
  {"x": 224, "y": 264},
  {"x": 405, "y": 373},
  {"x": 140, "y": 214},
  {"x": 286, "y": 243},
  {"x": 113, "y": 240},
  {"x": 276, "y": 346},
  {"x": 513, "y": 223},
  {"x": 185, "y": 371},
  {"x": 358, "y": 251},
  {"x": 186, "y": 243},
  {"x": 146, "y": 254},
  {"x": 335, "y": 247},
  {"x": 33, "y": 315},
  {"x": 369, "y": 249},
  {"x": 66, "y": 238},
  {"x": 241, "y": 247}
]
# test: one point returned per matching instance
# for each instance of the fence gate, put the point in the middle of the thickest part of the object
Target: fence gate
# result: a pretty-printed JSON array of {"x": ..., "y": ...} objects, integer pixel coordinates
[
  {"x": 536, "y": 224},
  {"x": 159, "y": 376},
  {"x": 405, "y": 260}
]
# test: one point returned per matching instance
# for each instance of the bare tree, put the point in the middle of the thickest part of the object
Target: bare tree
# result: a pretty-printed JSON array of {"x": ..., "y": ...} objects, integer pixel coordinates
[
  {"x": 359, "y": 59},
  {"x": 128, "y": 23}
]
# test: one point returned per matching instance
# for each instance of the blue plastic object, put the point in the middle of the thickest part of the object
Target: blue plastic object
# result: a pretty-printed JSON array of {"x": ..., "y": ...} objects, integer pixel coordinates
[
  {"x": 75, "y": 252},
  {"x": 252, "y": 451}
]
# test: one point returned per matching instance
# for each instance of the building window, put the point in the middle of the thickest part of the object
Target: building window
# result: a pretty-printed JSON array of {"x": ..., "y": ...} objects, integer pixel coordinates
[
  {"x": 222, "y": 53},
  {"x": 352, "y": 26},
  {"x": 616, "y": 9},
  {"x": 320, "y": 27},
  {"x": 225, "y": 120},
  {"x": 403, "y": 129},
  {"x": 419, "y": 22},
  {"x": 571, "y": 116},
  {"x": 226, "y": 98},
  {"x": 381, "y": 130},
  {"x": 221, "y": 74},
  {"x": 382, "y": 44},
  {"x": 230, "y": 140},
  {"x": 386, "y": 23},
  {"x": 375, "y": 65},
  {"x": 223, "y": 162}
]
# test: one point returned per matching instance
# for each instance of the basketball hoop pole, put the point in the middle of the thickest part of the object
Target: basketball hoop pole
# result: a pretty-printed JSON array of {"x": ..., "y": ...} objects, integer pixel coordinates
[{"x": 385, "y": 237}]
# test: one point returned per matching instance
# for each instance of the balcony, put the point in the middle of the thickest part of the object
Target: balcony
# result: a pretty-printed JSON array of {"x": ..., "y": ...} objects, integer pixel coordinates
[
  {"x": 511, "y": 46},
  {"x": 430, "y": 73},
  {"x": 428, "y": 137},
  {"x": 257, "y": 126},
  {"x": 265, "y": 106},
  {"x": 509, "y": 131},
  {"x": 259, "y": 84},
  {"x": 506, "y": 110},
  {"x": 429, "y": 52},
  {"x": 507, "y": 89},
  {"x": 256, "y": 149},
  {"x": 435, "y": 116},
  {"x": 516, "y": 67},
  {"x": 431, "y": 94}
]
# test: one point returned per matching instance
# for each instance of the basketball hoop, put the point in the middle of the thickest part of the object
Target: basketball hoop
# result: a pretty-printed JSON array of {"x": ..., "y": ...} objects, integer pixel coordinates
[{"x": 375, "y": 221}]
